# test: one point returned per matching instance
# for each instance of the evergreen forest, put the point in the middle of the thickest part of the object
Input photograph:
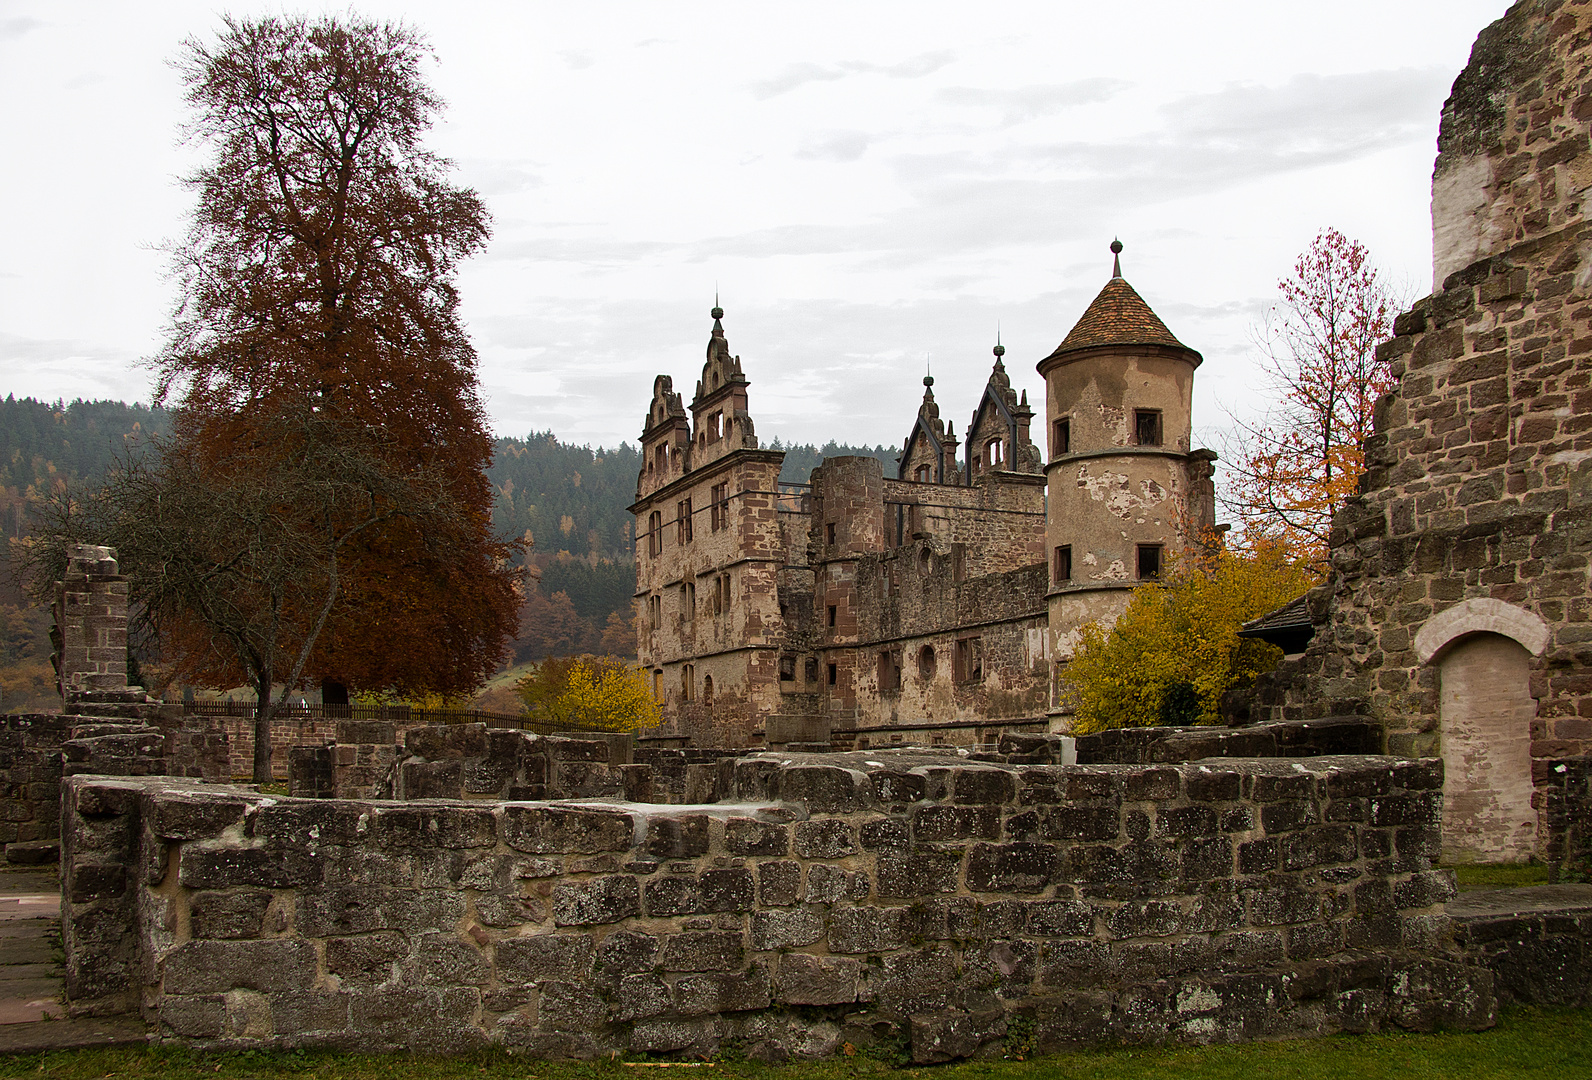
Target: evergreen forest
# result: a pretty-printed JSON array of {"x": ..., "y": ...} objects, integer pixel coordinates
[{"x": 566, "y": 503}]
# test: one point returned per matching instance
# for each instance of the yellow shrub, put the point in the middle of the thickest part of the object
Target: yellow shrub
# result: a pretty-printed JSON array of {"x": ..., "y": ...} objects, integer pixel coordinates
[{"x": 1176, "y": 649}]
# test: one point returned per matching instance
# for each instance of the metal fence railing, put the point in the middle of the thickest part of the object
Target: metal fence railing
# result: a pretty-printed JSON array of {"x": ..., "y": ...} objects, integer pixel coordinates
[{"x": 407, "y": 715}]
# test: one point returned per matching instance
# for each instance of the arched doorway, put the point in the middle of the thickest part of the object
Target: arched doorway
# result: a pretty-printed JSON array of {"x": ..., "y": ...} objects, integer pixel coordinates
[
  {"x": 1483, "y": 651},
  {"x": 1486, "y": 713}
]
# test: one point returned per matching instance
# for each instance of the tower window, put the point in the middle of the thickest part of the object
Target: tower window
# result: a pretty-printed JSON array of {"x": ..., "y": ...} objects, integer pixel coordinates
[
  {"x": 833, "y": 610},
  {"x": 1149, "y": 562},
  {"x": 829, "y": 533},
  {"x": 1147, "y": 427},
  {"x": 1061, "y": 437},
  {"x": 1062, "y": 569},
  {"x": 834, "y": 674}
]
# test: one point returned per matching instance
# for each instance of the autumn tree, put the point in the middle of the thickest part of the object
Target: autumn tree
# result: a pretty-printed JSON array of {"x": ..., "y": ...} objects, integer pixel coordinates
[
  {"x": 1291, "y": 471},
  {"x": 590, "y": 693},
  {"x": 1176, "y": 649},
  {"x": 317, "y": 299}
]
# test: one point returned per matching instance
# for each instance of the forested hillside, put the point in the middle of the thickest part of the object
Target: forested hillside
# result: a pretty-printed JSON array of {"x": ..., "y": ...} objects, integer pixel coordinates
[{"x": 567, "y": 503}]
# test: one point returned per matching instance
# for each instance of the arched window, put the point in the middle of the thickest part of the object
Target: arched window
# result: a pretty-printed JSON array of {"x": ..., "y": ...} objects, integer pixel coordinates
[
  {"x": 926, "y": 663},
  {"x": 707, "y": 690}
]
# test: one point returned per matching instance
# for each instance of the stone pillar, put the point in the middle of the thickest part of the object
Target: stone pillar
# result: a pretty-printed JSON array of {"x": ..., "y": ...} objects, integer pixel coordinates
[{"x": 90, "y": 634}]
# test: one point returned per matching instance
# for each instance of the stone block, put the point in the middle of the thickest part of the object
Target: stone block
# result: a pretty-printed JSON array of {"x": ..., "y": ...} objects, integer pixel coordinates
[
  {"x": 749, "y": 836},
  {"x": 950, "y": 1036},
  {"x": 722, "y": 992},
  {"x": 570, "y": 1007},
  {"x": 239, "y": 914},
  {"x": 543, "y": 956},
  {"x": 430, "y": 827},
  {"x": 922, "y": 871},
  {"x": 827, "y": 884},
  {"x": 562, "y": 829},
  {"x": 1018, "y": 867},
  {"x": 683, "y": 837},
  {"x": 330, "y": 912},
  {"x": 673, "y": 894},
  {"x": 216, "y": 967},
  {"x": 603, "y": 900},
  {"x": 779, "y": 883},
  {"x": 782, "y": 929},
  {"x": 734, "y": 889},
  {"x": 824, "y": 789},
  {"x": 866, "y": 929},
  {"x": 817, "y": 980},
  {"x": 829, "y": 838},
  {"x": 204, "y": 865},
  {"x": 369, "y": 959},
  {"x": 703, "y": 950}
]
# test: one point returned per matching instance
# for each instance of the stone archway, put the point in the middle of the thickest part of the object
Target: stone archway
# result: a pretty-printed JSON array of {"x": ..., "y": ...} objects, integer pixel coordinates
[{"x": 1483, "y": 651}]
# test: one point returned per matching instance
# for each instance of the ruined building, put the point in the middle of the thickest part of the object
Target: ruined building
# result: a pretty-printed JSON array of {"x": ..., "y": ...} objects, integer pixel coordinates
[
  {"x": 1458, "y": 609},
  {"x": 933, "y": 605}
]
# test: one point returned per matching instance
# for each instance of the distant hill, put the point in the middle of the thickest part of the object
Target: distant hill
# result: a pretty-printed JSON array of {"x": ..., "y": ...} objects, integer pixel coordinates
[{"x": 568, "y": 503}]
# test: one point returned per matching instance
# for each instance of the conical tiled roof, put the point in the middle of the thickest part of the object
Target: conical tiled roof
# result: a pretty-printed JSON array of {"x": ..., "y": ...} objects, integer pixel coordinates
[{"x": 1118, "y": 316}]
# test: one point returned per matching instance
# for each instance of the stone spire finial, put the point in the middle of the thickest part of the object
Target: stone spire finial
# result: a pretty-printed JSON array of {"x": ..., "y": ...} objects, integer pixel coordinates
[{"x": 1116, "y": 258}]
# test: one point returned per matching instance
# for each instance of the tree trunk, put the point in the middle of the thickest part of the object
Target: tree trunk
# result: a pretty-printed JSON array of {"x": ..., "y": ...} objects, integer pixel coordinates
[{"x": 262, "y": 730}]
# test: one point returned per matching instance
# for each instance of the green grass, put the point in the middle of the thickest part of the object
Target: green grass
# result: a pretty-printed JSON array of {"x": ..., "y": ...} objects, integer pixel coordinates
[
  {"x": 1472, "y": 876},
  {"x": 1547, "y": 1043}
]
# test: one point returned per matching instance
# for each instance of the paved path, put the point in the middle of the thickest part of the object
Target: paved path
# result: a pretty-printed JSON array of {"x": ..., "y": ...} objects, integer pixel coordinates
[{"x": 31, "y": 1014}]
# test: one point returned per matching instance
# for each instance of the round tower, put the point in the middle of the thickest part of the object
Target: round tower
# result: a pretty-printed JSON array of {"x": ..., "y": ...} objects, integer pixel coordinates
[{"x": 1124, "y": 489}]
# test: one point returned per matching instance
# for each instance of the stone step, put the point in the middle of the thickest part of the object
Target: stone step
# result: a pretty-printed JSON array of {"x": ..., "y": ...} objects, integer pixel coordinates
[{"x": 33, "y": 852}]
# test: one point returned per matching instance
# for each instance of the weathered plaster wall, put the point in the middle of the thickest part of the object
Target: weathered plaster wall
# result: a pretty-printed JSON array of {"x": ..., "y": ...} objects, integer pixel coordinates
[{"x": 914, "y": 900}]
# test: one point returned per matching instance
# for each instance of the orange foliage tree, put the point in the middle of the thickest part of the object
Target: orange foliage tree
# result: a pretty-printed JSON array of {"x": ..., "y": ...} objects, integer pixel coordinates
[
  {"x": 1289, "y": 473},
  {"x": 318, "y": 328}
]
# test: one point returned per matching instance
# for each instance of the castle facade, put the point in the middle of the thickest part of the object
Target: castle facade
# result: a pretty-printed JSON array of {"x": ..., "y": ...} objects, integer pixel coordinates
[{"x": 935, "y": 605}]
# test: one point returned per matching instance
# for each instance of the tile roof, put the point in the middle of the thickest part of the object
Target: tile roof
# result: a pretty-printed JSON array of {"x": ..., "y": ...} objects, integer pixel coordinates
[
  {"x": 1118, "y": 316},
  {"x": 1291, "y": 616}
]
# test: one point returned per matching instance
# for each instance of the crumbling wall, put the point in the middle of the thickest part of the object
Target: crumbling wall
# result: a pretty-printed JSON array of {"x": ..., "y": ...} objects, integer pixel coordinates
[
  {"x": 1475, "y": 512},
  {"x": 913, "y": 900}
]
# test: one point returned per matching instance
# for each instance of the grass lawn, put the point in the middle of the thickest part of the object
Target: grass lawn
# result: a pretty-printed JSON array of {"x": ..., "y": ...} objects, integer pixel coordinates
[
  {"x": 1472, "y": 876},
  {"x": 1546, "y": 1043}
]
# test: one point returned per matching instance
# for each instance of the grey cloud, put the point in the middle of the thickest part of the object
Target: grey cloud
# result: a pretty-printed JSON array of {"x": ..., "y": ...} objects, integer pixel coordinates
[
  {"x": 1028, "y": 102},
  {"x": 1311, "y": 111},
  {"x": 837, "y": 146},
  {"x": 797, "y": 75},
  {"x": 15, "y": 28},
  {"x": 499, "y": 177}
]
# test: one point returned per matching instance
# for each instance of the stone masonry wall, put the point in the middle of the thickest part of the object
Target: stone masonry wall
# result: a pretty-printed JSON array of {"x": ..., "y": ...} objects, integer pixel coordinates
[
  {"x": 913, "y": 900},
  {"x": 1479, "y": 477}
]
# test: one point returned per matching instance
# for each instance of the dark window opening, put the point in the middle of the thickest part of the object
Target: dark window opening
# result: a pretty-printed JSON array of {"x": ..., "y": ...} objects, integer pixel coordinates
[
  {"x": 1149, "y": 562},
  {"x": 970, "y": 660},
  {"x": 829, "y": 533},
  {"x": 1061, "y": 438},
  {"x": 889, "y": 671},
  {"x": 787, "y": 669},
  {"x": 1147, "y": 427},
  {"x": 655, "y": 533},
  {"x": 832, "y": 612},
  {"x": 834, "y": 674},
  {"x": 1063, "y": 565}
]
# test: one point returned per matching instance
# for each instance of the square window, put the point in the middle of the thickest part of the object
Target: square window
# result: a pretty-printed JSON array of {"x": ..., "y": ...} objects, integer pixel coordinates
[
  {"x": 1061, "y": 437},
  {"x": 1147, "y": 427},
  {"x": 1149, "y": 562}
]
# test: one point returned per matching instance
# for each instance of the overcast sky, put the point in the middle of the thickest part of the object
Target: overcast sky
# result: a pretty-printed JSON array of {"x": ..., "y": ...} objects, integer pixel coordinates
[{"x": 866, "y": 184}]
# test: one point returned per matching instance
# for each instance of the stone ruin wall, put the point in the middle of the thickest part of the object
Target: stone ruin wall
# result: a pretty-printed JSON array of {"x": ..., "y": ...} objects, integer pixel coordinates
[
  {"x": 1478, "y": 490},
  {"x": 919, "y": 901}
]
